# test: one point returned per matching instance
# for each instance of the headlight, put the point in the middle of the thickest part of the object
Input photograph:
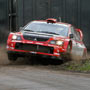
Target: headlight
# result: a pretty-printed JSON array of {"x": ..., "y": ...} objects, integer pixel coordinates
[
  {"x": 15, "y": 37},
  {"x": 59, "y": 42},
  {"x": 56, "y": 42}
]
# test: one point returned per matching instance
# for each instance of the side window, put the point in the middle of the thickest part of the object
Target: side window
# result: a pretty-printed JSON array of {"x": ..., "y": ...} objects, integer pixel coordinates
[
  {"x": 78, "y": 36},
  {"x": 72, "y": 30},
  {"x": 75, "y": 33}
]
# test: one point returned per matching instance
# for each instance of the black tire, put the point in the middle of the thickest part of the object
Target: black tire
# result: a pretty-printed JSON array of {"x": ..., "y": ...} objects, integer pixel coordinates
[
  {"x": 69, "y": 49},
  {"x": 12, "y": 57},
  {"x": 68, "y": 53}
]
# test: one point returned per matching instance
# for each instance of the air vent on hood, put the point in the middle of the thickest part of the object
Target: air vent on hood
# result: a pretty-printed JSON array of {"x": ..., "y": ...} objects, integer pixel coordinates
[{"x": 35, "y": 38}]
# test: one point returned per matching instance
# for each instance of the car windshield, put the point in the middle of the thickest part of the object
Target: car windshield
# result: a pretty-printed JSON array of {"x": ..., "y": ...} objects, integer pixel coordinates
[{"x": 58, "y": 29}]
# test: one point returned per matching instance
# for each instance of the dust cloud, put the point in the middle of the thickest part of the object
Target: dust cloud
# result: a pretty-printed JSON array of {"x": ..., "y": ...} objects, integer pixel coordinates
[
  {"x": 3, "y": 55},
  {"x": 4, "y": 58}
]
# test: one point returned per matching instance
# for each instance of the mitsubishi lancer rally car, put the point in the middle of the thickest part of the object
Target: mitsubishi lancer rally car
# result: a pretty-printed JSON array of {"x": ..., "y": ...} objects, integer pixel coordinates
[{"x": 48, "y": 38}]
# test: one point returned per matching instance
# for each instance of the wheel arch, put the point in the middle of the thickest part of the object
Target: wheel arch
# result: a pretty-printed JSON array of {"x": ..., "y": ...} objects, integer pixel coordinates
[{"x": 67, "y": 43}]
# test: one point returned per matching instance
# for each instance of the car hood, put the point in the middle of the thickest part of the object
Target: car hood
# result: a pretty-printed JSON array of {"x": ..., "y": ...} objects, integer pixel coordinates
[{"x": 37, "y": 36}]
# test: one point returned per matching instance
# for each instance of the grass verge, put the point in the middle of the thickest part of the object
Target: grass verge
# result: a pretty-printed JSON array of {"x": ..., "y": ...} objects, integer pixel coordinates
[
  {"x": 72, "y": 66},
  {"x": 78, "y": 66}
]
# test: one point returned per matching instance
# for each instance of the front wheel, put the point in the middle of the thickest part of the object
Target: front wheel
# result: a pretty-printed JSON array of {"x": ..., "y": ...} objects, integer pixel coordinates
[
  {"x": 68, "y": 53},
  {"x": 12, "y": 57},
  {"x": 69, "y": 49}
]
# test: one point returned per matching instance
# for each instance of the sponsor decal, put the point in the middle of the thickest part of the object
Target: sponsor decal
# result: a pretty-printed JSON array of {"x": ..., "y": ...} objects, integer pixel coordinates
[
  {"x": 33, "y": 52},
  {"x": 30, "y": 42},
  {"x": 39, "y": 43}
]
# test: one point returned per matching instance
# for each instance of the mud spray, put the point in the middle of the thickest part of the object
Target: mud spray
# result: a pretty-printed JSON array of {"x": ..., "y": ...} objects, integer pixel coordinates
[
  {"x": 3, "y": 55},
  {"x": 4, "y": 58}
]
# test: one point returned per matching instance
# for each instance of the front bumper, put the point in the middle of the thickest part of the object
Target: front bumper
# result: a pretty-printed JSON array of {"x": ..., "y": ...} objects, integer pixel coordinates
[
  {"x": 35, "y": 49},
  {"x": 28, "y": 54}
]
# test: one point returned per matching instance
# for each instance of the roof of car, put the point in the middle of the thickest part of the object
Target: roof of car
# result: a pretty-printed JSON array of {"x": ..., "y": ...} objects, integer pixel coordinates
[{"x": 45, "y": 21}]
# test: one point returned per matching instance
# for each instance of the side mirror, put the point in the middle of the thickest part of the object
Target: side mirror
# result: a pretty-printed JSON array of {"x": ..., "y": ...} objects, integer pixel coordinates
[{"x": 71, "y": 36}]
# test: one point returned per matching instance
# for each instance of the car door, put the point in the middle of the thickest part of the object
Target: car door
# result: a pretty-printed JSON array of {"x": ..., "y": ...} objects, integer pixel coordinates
[
  {"x": 80, "y": 45},
  {"x": 74, "y": 41}
]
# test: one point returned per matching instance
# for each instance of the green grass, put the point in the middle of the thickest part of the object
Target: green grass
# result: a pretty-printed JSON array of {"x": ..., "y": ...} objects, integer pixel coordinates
[{"x": 77, "y": 66}]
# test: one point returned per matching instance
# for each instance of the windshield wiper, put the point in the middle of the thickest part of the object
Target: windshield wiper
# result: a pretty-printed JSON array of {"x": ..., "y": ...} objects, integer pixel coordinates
[
  {"x": 28, "y": 30},
  {"x": 49, "y": 32}
]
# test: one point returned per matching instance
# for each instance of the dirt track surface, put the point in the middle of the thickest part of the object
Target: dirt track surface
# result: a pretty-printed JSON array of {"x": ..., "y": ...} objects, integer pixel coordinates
[
  {"x": 33, "y": 78},
  {"x": 22, "y": 76}
]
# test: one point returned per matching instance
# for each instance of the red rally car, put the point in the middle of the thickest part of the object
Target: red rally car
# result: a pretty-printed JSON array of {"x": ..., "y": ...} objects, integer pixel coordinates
[{"x": 48, "y": 38}]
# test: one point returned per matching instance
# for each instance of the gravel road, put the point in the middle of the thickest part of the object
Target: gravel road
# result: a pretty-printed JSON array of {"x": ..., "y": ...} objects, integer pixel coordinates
[{"x": 36, "y": 78}]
